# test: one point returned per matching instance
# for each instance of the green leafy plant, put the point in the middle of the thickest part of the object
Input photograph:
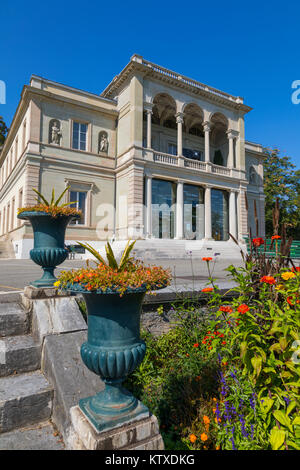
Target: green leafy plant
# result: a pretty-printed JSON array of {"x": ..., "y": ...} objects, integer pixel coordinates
[
  {"x": 111, "y": 276},
  {"x": 124, "y": 263},
  {"x": 51, "y": 207}
]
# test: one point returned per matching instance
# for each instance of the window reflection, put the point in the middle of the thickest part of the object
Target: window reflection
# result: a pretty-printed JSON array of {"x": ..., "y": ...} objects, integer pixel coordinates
[
  {"x": 219, "y": 214},
  {"x": 193, "y": 197},
  {"x": 163, "y": 208}
]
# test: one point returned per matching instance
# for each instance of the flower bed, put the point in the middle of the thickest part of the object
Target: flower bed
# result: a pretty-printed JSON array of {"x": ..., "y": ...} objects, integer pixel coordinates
[{"x": 231, "y": 382}]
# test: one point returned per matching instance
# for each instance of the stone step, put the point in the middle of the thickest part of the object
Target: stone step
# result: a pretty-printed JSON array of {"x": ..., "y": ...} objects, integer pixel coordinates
[
  {"x": 19, "y": 354},
  {"x": 13, "y": 320},
  {"x": 39, "y": 437},
  {"x": 25, "y": 399}
]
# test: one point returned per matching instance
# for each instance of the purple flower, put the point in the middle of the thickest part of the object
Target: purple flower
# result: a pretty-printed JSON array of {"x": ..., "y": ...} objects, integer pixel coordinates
[
  {"x": 252, "y": 401},
  {"x": 252, "y": 431},
  {"x": 287, "y": 400}
]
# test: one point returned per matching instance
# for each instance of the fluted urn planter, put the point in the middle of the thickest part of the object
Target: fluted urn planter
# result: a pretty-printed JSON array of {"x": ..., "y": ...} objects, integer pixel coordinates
[
  {"x": 113, "y": 350},
  {"x": 49, "y": 243}
]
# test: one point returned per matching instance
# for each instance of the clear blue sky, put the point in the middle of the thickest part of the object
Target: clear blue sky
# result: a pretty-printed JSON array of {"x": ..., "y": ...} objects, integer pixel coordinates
[{"x": 250, "y": 49}]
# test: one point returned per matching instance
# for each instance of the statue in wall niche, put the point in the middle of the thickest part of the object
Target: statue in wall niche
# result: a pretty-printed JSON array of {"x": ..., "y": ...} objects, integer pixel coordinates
[
  {"x": 54, "y": 132},
  {"x": 103, "y": 142}
]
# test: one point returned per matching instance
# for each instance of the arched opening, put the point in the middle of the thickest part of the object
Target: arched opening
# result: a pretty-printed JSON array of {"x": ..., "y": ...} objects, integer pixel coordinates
[
  {"x": 219, "y": 139},
  {"x": 163, "y": 124},
  {"x": 193, "y": 135}
]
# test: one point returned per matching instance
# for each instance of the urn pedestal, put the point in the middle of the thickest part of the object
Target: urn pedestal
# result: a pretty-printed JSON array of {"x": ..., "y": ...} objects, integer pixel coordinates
[{"x": 49, "y": 243}]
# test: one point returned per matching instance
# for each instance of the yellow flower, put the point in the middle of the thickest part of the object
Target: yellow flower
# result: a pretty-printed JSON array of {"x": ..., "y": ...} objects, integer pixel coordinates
[
  {"x": 288, "y": 275},
  {"x": 57, "y": 284},
  {"x": 280, "y": 286}
]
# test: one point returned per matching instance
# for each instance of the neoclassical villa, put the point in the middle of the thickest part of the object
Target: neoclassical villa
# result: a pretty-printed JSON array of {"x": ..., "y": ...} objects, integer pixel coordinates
[{"x": 156, "y": 157}]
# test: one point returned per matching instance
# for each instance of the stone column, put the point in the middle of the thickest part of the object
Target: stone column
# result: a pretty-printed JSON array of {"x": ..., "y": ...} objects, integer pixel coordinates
[
  {"x": 206, "y": 128},
  {"x": 179, "y": 120},
  {"x": 230, "y": 162},
  {"x": 179, "y": 211},
  {"x": 148, "y": 109},
  {"x": 232, "y": 214},
  {"x": 148, "y": 201},
  {"x": 207, "y": 211}
]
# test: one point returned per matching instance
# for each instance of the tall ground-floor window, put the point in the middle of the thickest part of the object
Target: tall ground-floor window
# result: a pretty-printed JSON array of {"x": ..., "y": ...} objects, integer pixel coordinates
[
  {"x": 163, "y": 208},
  {"x": 193, "y": 213},
  {"x": 219, "y": 214},
  {"x": 79, "y": 199}
]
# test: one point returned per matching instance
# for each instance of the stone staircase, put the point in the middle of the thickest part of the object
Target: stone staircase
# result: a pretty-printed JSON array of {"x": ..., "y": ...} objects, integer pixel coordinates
[
  {"x": 154, "y": 250},
  {"x": 6, "y": 249},
  {"x": 26, "y": 397}
]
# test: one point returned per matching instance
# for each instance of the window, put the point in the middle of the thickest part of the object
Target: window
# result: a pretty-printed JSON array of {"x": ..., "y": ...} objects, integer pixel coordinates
[
  {"x": 220, "y": 214},
  {"x": 79, "y": 140},
  {"x": 172, "y": 149},
  {"x": 79, "y": 200},
  {"x": 163, "y": 208}
]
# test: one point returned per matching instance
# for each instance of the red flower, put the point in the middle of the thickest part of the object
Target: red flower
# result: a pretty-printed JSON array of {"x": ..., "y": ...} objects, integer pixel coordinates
[
  {"x": 196, "y": 345},
  {"x": 289, "y": 301},
  {"x": 276, "y": 237},
  {"x": 207, "y": 289},
  {"x": 296, "y": 270},
  {"x": 258, "y": 241},
  {"x": 268, "y": 279},
  {"x": 226, "y": 309},
  {"x": 208, "y": 258},
  {"x": 243, "y": 308}
]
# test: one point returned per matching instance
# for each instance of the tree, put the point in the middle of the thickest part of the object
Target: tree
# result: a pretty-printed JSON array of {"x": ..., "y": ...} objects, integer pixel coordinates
[
  {"x": 3, "y": 131},
  {"x": 282, "y": 181}
]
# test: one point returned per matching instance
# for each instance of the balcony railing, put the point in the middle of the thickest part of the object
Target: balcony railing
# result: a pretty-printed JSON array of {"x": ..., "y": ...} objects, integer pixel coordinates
[
  {"x": 165, "y": 158},
  {"x": 198, "y": 165}
]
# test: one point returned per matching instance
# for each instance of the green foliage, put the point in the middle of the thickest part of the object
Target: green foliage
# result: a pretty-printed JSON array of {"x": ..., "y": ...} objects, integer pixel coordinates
[
  {"x": 125, "y": 262},
  {"x": 282, "y": 181},
  {"x": 3, "y": 131}
]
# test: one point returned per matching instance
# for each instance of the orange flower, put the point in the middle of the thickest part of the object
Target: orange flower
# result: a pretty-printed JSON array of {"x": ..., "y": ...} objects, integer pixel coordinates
[
  {"x": 268, "y": 280},
  {"x": 243, "y": 308},
  {"x": 276, "y": 237},
  {"x": 207, "y": 289},
  {"x": 208, "y": 258},
  {"x": 226, "y": 309},
  {"x": 203, "y": 437},
  {"x": 193, "y": 438},
  {"x": 214, "y": 399},
  {"x": 217, "y": 447},
  {"x": 206, "y": 419},
  {"x": 187, "y": 355}
]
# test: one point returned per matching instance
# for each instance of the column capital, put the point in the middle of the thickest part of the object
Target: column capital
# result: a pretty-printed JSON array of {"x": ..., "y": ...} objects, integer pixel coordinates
[
  {"x": 148, "y": 107},
  {"x": 179, "y": 118},
  {"x": 232, "y": 134},
  {"x": 207, "y": 126}
]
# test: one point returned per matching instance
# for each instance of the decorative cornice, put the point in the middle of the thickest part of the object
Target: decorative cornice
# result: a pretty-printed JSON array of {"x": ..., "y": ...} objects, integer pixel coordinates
[{"x": 150, "y": 70}]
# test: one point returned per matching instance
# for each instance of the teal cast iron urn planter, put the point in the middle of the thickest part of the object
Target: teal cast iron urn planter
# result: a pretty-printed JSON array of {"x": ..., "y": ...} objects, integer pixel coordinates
[
  {"x": 113, "y": 350},
  {"x": 49, "y": 243}
]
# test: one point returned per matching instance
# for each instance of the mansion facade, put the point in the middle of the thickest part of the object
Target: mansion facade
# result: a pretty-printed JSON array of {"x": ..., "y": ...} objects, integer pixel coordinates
[{"x": 157, "y": 157}]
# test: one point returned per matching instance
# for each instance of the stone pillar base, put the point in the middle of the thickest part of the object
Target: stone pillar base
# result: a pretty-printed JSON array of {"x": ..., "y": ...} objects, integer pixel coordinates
[{"x": 139, "y": 434}]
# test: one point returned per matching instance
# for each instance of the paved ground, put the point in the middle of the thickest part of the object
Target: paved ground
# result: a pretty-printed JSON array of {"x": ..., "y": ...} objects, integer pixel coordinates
[{"x": 187, "y": 274}]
